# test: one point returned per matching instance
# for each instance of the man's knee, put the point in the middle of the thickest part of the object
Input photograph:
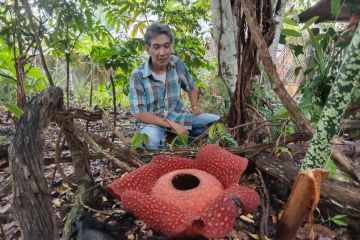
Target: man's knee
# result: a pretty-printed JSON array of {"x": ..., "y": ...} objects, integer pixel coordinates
[
  {"x": 156, "y": 137},
  {"x": 154, "y": 143}
]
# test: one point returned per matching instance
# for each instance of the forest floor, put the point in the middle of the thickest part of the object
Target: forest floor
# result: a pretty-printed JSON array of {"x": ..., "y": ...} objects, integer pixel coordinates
[{"x": 104, "y": 218}]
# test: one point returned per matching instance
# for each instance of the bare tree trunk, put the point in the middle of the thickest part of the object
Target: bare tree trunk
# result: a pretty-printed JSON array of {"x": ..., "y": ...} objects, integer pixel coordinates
[
  {"x": 279, "y": 18},
  {"x": 114, "y": 102},
  {"x": 246, "y": 62},
  {"x": 20, "y": 90},
  {"x": 224, "y": 33},
  {"x": 276, "y": 84},
  {"x": 37, "y": 40},
  {"x": 32, "y": 200},
  {"x": 67, "y": 59},
  {"x": 19, "y": 62}
]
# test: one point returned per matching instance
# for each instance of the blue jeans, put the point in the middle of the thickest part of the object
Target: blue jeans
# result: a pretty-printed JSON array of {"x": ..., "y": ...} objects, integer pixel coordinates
[{"x": 157, "y": 134}]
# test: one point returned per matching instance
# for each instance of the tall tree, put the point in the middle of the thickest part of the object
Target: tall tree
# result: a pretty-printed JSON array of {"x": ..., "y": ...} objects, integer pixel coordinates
[
  {"x": 243, "y": 61},
  {"x": 14, "y": 27}
]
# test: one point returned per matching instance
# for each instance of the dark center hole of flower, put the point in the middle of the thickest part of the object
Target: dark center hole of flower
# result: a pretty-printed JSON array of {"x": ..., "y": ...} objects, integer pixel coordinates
[{"x": 185, "y": 182}]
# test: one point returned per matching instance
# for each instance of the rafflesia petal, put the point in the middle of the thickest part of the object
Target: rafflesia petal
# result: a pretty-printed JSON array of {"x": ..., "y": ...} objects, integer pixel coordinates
[
  {"x": 160, "y": 215},
  {"x": 222, "y": 164},
  {"x": 219, "y": 218},
  {"x": 142, "y": 180},
  {"x": 168, "y": 163},
  {"x": 249, "y": 198}
]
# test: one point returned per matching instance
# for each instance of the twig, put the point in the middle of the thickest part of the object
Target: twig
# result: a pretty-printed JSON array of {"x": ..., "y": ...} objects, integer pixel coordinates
[
  {"x": 92, "y": 209},
  {"x": 57, "y": 164},
  {"x": 3, "y": 236},
  {"x": 115, "y": 131},
  {"x": 265, "y": 204},
  {"x": 127, "y": 153},
  {"x": 233, "y": 128},
  {"x": 7, "y": 76},
  {"x": 98, "y": 150}
]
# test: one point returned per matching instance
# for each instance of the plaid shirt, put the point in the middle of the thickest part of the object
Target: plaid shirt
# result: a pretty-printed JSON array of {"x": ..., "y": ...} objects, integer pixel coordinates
[{"x": 164, "y": 100}]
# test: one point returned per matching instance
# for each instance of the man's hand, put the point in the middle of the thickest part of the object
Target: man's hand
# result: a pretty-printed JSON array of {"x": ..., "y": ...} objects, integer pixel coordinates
[
  {"x": 178, "y": 129},
  {"x": 195, "y": 110}
]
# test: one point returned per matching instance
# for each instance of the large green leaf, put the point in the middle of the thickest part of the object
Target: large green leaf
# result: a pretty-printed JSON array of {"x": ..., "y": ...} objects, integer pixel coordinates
[
  {"x": 310, "y": 22},
  {"x": 335, "y": 7},
  {"x": 14, "y": 109},
  {"x": 291, "y": 32}
]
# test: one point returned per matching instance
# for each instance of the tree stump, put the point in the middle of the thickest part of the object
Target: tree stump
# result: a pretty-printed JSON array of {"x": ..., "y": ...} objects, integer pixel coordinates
[{"x": 32, "y": 200}]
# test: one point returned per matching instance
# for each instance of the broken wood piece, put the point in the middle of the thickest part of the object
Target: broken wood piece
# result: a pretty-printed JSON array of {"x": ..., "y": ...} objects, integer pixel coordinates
[
  {"x": 305, "y": 193},
  {"x": 32, "y": 199},
  {"x": 338, "y": 197}
]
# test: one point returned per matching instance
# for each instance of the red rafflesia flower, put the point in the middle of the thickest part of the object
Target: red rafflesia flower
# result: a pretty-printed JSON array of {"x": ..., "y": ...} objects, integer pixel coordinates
[{"x": 184, "y": 197}]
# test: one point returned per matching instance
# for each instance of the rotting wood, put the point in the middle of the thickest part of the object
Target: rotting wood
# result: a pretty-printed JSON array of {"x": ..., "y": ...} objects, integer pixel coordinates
[
  {"x": 57, "y": 163},
  {"x": 73, "y": 113},
  {"x": 32, "y": 199},
  {"x": 305, "y": 193}
]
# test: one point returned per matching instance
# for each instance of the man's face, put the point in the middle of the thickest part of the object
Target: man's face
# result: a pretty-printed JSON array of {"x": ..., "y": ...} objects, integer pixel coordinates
[{"x": 160, "y": 51}]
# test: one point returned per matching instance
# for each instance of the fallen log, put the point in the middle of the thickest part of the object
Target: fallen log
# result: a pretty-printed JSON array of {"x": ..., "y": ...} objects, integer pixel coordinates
[{"x": 341, "y": 197}]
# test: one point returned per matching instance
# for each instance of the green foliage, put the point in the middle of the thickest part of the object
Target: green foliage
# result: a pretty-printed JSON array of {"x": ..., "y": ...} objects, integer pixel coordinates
[
  {"x": 335, "y": 7},
  {"x": 180, "y": 141},
  {"x": 217, "y": 133},
  {"x": 281, "y": 149},
  {"x": 103, "y": 96},
  {"x": 331, "y": 168},
  {"x": 14, "y": 109},
  {"x": 105, "y": 32},
  {"x": 138, "y": 140},
  {"x": 339, "y": 220},
  {"x": 4, "y": 140},
  {"x": 183, "y": 17}
]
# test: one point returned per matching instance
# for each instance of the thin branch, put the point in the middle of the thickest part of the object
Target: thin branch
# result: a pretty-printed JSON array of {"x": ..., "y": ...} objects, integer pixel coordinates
[
  {"x": 37, "y": 40},
  {"x": 7, "y": 76},
  {"x": 265, "y": 204},
  {"x": 57, "y": 164},
  {"x": 98, "y": 150},
  {"x": 276, "y": 84},
  {"x": 115, "y": 131}
]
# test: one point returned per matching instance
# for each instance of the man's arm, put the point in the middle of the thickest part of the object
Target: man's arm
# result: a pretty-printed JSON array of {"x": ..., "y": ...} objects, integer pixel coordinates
[
  {"x": 150, "y": 118},
  {"x": 193, "y": 98}
]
